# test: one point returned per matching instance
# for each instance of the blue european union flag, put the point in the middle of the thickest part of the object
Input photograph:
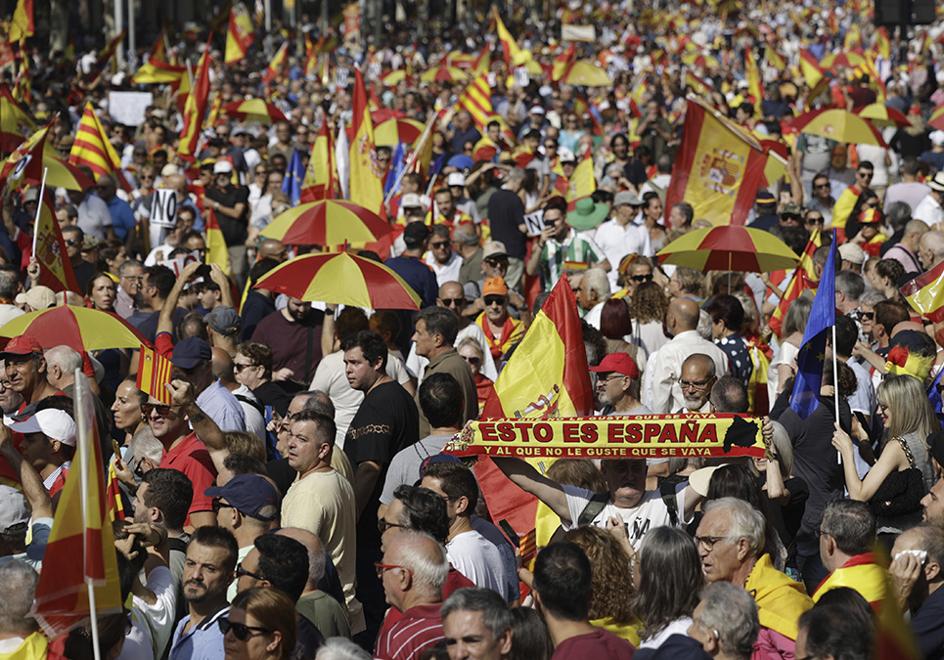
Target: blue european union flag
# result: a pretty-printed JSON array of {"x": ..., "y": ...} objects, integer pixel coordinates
[
  {"x": 398, "y": 162},
  {"x": 812, "y": 356},
  {"x": 294, "y": 178},
  {"x": 934, "y": 396}
]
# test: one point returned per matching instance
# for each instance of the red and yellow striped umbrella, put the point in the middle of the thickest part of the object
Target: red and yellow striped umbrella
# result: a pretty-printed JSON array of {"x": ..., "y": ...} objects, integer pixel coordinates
[
  {"x": 846, "y": 59},
  {"x": 444, "y": 73},
  {"x": 255, "y": 110},
  {"x": 839, "y": 125},
  {"x": 729, "y": 247},
  {"x": 879, "y": 112},
  {"x": 329, "y": 222},
  {"x": 395, "y": 130},
  {"x": 340, "y": 278},
  {"x": 80, "y": 328}
]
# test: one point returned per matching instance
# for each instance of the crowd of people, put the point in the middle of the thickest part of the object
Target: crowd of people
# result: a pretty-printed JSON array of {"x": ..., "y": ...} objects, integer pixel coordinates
[{"x": 294, "y": 499}]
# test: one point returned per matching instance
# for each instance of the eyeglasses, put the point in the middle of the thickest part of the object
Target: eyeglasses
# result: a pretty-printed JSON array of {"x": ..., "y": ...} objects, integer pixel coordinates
[
  {"x": 145, "y": 177},
  {"x": 241, "y": 631},
  {"x": 161, "y": 410},
  {"x": 694, "y": 384},
  {"x": 471, "y": 359},
  {"x": 641, "y": 278},
  {"x": 494, "y": 300},
  {"x": 439, "y": 245},
  {"x": 240, "y": 572},
  {"x": 453, "y": 302},
  {"x": 383, "y": 525},
  {"x": 709, "y": 541},
  {"x": 382, "y": 568}
]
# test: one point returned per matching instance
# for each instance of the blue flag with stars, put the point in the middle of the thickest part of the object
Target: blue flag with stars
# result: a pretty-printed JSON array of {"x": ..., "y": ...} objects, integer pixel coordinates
[
  {"x": 812, "y": 356},
  {"x": 294, "y": 178}
]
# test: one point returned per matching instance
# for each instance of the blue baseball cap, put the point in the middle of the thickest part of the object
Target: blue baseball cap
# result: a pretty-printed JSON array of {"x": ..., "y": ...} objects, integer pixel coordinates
[
  {"x": 250, "y": 494},
  {"x": 190, "y": 353}
]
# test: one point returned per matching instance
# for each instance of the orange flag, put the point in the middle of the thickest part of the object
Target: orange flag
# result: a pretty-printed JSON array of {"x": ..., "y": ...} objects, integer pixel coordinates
[
  {"x": 80, "y": 557},
  {"x": 195, "y": 107}
]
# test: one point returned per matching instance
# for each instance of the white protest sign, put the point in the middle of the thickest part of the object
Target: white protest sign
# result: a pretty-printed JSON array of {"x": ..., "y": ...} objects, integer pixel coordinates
[
  {"x": 534, "y": 223},
  {"x": 164, "y": 208},
  {"x": 128, "y": 107},
  {"x": 578, "y": 33}
]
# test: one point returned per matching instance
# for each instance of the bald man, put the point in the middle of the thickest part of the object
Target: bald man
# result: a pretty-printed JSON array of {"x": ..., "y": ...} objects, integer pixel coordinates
[
  {"x": 931, "y": 249},
  {"x": 681, "y": 321},
  {"x": 271, "y": 248},
  {"x": 697, "y": 379}
]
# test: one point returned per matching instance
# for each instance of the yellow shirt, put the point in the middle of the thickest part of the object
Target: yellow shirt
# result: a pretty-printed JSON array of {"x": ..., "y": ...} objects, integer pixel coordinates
[{"x": 32, "y": 648}]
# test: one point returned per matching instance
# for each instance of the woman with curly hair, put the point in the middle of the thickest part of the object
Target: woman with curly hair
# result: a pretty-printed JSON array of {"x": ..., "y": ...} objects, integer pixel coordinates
[
  {"x": 611, "y": 605},
  {"x": 647, "y": 308}
]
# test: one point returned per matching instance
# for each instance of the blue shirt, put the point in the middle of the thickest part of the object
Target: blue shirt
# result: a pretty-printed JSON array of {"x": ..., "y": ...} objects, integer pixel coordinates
[
  {"x": 122, "y": 217},
  {"x": 418, "y": 275},
  {"x": 222, "y": 407},
  {"x": 202, "y": 642}
]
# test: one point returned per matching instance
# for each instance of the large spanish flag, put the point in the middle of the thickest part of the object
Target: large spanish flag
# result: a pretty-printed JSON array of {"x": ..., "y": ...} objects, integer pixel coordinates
[
  {"x": 547, "y": 376},
  {"x": 321, "y": 177},
  {"x": 154, "y": 372},
  {"x": 195, "y": 107},
  {"x": 239, "y": 34},
  {"x": 22, "y": 25},
  {"x": 366, "y": 182},
  {"x": 514, "y": 56},
  {"x": 55, "y": 269},
  {"x": 14, "y": 121},
  {"x": 925, "y": 293},
  {"x": 80, "y": 557},
  {"x": 718, "y": 168}
]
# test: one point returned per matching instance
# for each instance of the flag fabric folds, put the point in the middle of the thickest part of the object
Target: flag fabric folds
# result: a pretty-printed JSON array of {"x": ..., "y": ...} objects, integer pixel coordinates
[
  {"x": 26, "y": 161},
  {"x": 513, "y": 55},
  {"x": 925, "y": 293},
  {"x": 754, "y": 86},
  {"x": 477, "y": 101},
  {"x": 804, "y": 277},
  {"x": 239, "y": 34},
  {"x": 23, "y": 24},
  {"x": 320, "y": 176},
  {"x": 216, "y": 252},
  {"x": 812, "y": 355},
  {"x": 195, "y": 107},
  {"x": 80, "y": 556},
  {"x": 718, "y": 168},
  {"x": 275, "y": 65},
  {"x": 154, "y": 374},
  {"x": 49, "y": 250},
  {"x": 294, "y": 178},
  {"x": 92, "y": 148},
  {"x": 582, "y": 182},
  {"x": 14, "y": 121},
  {"x": 365, "y": 179}
]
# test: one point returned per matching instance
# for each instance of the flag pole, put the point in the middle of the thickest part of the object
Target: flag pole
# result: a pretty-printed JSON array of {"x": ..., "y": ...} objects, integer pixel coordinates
[
  {"x": 83, "y": 439},
  {"x": 39, "y": 209},
  {"x": 836, "y": 388}
]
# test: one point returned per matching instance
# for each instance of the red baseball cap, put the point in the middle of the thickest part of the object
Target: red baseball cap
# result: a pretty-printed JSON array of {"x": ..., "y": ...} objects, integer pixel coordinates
[
  {"x": 620, "y": 363},
  {"x": 20, "y": 346}
]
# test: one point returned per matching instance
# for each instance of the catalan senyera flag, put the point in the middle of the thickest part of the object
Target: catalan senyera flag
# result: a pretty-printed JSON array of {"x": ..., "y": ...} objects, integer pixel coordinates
[
  {"x": 366, "y": 183},
  {"x": 546, "y": 376},
  {"x": 754, "y": 85},
  {"x": 276, "y": 64},
  {"x": 477, "y": 101},
  {"x": 14, "y": 121},
  {"x": 239, "y": 34},
  {"x": 49, "y": 250},
  {"x": 804, "y": 277},
  {"x": 216, "y": 252},
  {"x": 113, "y": 502},
  {"x": 92, "y": 148},
  {"x": 582, "y": 182},
  {"x": 154, "y": 374},
  {"x": 320, "y": 178},
  {"x": 514, "y": 56},
  {"x": 80, "y": 555},
  {"x": 22, "y": 25},
  {"x": 925, "y": 293},
  {"x": 195, "y": 108},
  {"x": 718, "y": 168}
]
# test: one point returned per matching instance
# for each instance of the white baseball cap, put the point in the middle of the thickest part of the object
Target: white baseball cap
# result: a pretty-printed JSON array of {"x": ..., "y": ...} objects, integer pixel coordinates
[
  {"x": 937, "y": 137},
  {"x": 456, "y": 179},
  {"x": 222, "y": 167},
  {"x": 53, "y": 423}
]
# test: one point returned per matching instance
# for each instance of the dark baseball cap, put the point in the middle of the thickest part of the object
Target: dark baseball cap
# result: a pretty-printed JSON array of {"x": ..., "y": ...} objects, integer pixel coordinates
[
  {"x": 249, "y": 494},
  {"x": 224, "y": 320},
  {"x": 190, "y": 353},
  {"x": 415, "y": 233}
]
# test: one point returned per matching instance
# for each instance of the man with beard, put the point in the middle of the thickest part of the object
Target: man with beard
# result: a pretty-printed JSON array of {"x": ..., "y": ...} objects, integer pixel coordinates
[
  {"x": 697, "y": 378},
  {"x": 294, "y": 334},
  {"x": 618, "y": 385},
  {"x": 208, "y": 570}
]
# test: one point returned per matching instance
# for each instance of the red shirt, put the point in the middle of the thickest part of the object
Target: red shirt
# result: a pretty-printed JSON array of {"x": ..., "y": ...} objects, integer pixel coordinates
[
  {"x": 191, "y": 457},
  {"x": 418, "y": 628},
  {"x": 598, "y": 644},
  {"x": 454, "y": 581}
]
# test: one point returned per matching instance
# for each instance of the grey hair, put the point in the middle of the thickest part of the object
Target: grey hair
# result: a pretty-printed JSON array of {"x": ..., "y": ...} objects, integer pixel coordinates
[
  {"x": 731, "y": 613},
  {"x": 428, "y": 571},
  {"x": 64, "y": 357},
  {"x": 870, "y": 297},
  {"x": 850, "y": 284},
  {"x": 598, "y": 282},
  {"x": 144, "y": 445},
  {"x": 8, "y": 283},
  {"x": 19, "y": 582},
  {"x": 319, "y": 402},
  {"x": 495, "y": 614},
  {"x": 341, "y": 648},
  {"x": 128, "y": 264},
  {"x": 746, "y": 521},
  {"x": 704, "y": 324},
  {"x": 898, "y": 214},
  {"x": 473, "y": 343}
]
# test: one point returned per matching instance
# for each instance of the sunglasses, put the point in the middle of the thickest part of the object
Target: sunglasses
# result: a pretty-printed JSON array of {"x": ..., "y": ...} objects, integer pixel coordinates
[
  {"x": 161, "y": 410},
  {"x": 641, "y": 278},
  {"x": 821, "y": 185},
  {"x": 814, "y": 220},
  {"x": 453, "y": 302},
  {"x": 240, "y": 572},
  {"x": 237, "y": 367},
  {"x": 241, "y": 631},
  {"x": 438, "y": 245},
  {"x": 471, "y": 359},
  {"x": 867, "y": 316},
  {"x": 494, "y": 300}
]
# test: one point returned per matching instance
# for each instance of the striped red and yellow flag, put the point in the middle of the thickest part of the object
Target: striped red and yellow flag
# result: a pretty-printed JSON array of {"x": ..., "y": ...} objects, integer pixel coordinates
[
  {"x": 810, "y": 68},
  {"x": 81, "y": 550},
  {"x": 195, "y": 108},
  {"x": 239, "y": 34},
  {"x": 154, "y": 374},
  {"x": 321, "y": 175},
  {"x": 275, "y": 65},
  {"x": 113, "y": 502},
  {"x": 477, "y": 101},
  {"x": 216, "y": 252},
  {"x": 483, "y": 62},
  {"x": 513, "y": 55},
  {"x": 925, "y": 293},
  {"x": 804, "y": 277},
  {"x": 91, "y": 147},
  {"x": 23, "y": 83}
]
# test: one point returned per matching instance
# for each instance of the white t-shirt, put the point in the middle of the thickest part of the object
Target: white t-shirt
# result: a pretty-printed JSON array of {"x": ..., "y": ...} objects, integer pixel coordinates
[
  {"x": 478, "y": 559},
  {"x": 152, "y": 625},
  {"x": 447, "y": 272},
  {"x": 255, "y": 423},
  {"x": 649, "y": 513}
]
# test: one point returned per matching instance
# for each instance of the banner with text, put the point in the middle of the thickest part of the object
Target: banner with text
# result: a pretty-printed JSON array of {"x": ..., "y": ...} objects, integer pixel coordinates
[{"x": 639, "y": 436}]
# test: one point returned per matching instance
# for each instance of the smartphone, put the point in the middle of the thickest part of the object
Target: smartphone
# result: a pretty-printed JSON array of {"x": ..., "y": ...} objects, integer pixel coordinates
[
  {"x": 115, "y": 447},
  {"x": 509, "y": 532}
]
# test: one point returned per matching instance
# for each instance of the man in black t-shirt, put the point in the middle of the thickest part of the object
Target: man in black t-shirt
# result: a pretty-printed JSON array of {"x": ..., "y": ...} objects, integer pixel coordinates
[
  {"x": 386, "y": 422},
  {"x": 506, "y": 219},
  {"x": 231, "y": 205}
]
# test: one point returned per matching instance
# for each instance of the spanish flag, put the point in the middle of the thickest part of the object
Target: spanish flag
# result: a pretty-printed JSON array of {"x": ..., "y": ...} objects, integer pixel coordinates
[
  {"x": 775, "y": 60},
  {"x": 26, "y": 161},
  {"x": 477, "y": 101},
  {"x": 195, "y": 107},
  {"x": 925, "y": 293},
  {"x": 582, "y": 182},
  {"x": 239, "y": 34},
  {"x": 80, "y": 556},
  {"x": 156, "y": 72},
  {"x": 513, "y": 55},
  {"x": 154, "y": 374},
  {"x": 55, "y": 269},
  {"x": 810, "y": 68},
  {"x": 882, "y": 44},
  {"x": 14, "y": 121},
  {"x": 311, "y": 57},
  {"x": 216, "y": 250},
  {"x": 321, "y": 177},
  {"x": 804, "y": 277},
  {"x": 754, "y": 85},
  {"x": 366, "y": 182},
  {"x": 483, "y": 62},
  {"x": 718, "y": 168},
  {"x": 546, "y": 376},
  {"x": 563, "y": 63},
  {"x": 91, "y": 148},
  {"x": 275, "y": 65},
  {"x": 23, "y": 24},
  {"x": 902, "y": 362}
]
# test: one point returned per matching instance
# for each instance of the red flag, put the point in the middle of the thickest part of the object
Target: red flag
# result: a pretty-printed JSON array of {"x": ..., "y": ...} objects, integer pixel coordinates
[
  {"x": 195, "y": 107},
  {"x": 803, "y": 279}
]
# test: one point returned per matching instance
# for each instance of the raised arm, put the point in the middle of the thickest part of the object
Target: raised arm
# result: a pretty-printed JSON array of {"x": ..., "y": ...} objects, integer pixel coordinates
[
  {"x": 528, "y": 479},
  {"x": 165, "y": 320}
]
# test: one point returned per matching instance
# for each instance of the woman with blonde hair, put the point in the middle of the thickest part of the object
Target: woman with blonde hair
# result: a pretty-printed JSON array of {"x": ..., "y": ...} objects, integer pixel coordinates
[
  {"x": 908, "y": 419},
  {"x": 260, "y": 626}
]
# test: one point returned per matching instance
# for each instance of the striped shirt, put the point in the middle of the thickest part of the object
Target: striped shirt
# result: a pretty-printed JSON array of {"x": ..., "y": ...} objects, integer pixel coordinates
[
  {"x": 575, "y": 248},
  {"x": 419, "y": 628}
]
